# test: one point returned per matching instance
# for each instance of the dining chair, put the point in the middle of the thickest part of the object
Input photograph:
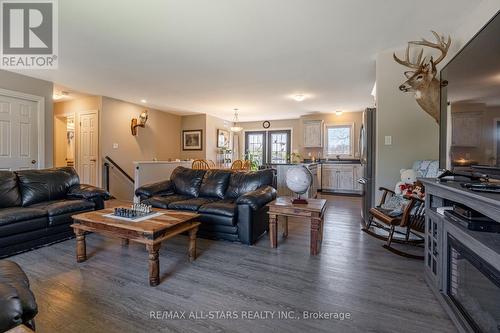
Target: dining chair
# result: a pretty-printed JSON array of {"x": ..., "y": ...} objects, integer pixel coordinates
[
  {"x": 237, "y": 165},
  {"x": 200, "y": 165}
]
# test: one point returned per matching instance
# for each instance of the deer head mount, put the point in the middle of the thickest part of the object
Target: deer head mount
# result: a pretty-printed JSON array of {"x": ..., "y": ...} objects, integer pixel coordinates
[{"x": 421, "y": 80}]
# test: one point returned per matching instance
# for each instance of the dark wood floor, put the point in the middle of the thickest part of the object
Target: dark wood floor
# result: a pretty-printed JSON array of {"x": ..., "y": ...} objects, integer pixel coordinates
[{"x": 353, "y": 273}]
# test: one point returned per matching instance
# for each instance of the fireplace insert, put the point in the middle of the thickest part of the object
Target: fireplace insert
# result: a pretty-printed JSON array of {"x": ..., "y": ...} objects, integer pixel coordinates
[{"x": 473, "y": 287}]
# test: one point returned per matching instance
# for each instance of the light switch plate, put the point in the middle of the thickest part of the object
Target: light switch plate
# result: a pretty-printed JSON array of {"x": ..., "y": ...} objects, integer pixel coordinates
[
  {"x": 388, "y": 140},
  {"x": 115, "y": 146}
]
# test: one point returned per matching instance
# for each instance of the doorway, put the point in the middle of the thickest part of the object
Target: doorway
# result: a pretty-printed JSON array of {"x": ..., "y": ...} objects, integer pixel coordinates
[
  {"x": 64, "y": 141},
  {"x": 268, "y": 147},
  {"x": 76, "y": 144},
  {"x": 22, "y": 135}
]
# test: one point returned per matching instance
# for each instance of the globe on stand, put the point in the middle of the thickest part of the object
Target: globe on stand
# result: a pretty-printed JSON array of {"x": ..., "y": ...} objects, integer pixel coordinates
[{"x": 298, "y": 179}]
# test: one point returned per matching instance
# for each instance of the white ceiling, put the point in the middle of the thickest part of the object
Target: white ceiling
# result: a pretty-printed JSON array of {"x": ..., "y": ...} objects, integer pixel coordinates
[{"x": 213, "y": 56}]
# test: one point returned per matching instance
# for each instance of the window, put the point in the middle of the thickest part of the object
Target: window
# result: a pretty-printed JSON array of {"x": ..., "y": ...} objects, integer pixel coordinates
[
  {"x": 339, "y": 140},
  {"x": 268, "y": 146},
  {"x": 279, "y": 147},
  {"x": 255, "y": 145}
]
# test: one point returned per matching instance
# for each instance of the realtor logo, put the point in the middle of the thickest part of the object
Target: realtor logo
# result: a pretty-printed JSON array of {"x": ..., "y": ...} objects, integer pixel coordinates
[{"x": 29, "y": 34}]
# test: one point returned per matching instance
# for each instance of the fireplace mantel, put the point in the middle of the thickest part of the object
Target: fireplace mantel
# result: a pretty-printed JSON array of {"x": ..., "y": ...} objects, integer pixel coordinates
[{"x": 440, "y": 229}]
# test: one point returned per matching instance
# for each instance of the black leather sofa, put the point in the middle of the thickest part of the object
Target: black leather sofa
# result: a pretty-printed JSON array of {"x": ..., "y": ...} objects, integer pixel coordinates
[
  {"x": 232, "y": 204},
  {"x": 36, "y": 206},
  {"x": 17, "y": 302}
]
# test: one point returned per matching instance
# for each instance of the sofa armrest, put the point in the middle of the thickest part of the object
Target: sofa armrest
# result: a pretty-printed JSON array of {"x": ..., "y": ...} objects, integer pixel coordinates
[
  {"x": 258, "y": 198},
  {"x": 11, "y": 309},
  {"x": 87, "y": 192},
  {"x": 160, "y": 188}
]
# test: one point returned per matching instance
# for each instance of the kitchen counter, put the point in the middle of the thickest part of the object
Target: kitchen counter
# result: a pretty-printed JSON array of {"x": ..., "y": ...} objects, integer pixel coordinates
[
  {"x": 301, "y": 163},
  {"x": 334, "y": 161}
]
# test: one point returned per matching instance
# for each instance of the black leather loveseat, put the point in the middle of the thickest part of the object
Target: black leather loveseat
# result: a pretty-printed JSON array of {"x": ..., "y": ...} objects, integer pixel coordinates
[
  {"x": 36, "y": 206},
  {"x": 17, "y": 302},
  {"x": 232, "y": 204}
]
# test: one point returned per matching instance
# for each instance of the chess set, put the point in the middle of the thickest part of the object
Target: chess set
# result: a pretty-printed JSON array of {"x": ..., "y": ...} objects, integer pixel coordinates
[{"x": 134, "y": 213}]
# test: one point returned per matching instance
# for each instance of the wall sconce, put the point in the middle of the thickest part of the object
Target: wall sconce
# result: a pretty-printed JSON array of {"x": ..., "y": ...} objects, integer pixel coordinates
[{"x": 141, "y": 122}]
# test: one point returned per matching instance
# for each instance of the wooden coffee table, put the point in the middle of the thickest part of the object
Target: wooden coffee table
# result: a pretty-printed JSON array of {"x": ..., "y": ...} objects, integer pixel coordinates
[
  {"x": 312, "y": 212},
  {"x": 151, "y": 232}
]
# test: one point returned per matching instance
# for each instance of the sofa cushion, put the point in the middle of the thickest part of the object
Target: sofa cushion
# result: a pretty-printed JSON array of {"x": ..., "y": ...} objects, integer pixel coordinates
[
  {"x": 190, "y": 204},
  {"x": 215, "y": 183},
  {"x": 211, "y": 219},
  {"x": 17, "y": 214},
  {"x": 222, "y": 207},
  {"x": 162, "y": 201},
  {"x": 23, "y": 228},
  {"x": 9, "y": 191},
  {"x": 187, "y": 181},
  {"x": 218, "y": 227},
  {"x": 60, "y": 207},
  {"x": 243, "y": 182},
  {"x": 46, "y": 185}
]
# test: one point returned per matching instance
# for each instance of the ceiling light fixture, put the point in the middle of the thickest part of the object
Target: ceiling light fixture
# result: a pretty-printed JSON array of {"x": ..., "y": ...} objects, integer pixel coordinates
[
  {"x": 235, "y": 127},
  {"x": 143, "y": 101},
  {"x": 339, "y": 112},
  {"x": 299, "y": 97}
]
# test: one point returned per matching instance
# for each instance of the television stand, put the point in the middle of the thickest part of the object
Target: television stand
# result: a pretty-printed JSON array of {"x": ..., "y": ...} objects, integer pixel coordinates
[
  {"x": 458, "y": 254},
  {"x": 482, "y": 187}
]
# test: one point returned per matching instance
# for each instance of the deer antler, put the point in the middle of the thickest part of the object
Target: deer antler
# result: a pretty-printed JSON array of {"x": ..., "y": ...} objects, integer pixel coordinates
[
  {"x": 406, "y": 62},
  {"x": 442, "y": 45}
]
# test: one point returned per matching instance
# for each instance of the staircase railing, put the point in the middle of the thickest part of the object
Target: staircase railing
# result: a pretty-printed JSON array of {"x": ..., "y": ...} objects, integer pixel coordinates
[{"x": 108, "y": 163}]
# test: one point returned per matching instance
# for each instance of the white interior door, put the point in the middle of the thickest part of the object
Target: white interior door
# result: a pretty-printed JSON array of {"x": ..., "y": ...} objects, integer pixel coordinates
[
  {"x": 18, "y": 134},
  {"x": 88, "y": 148}
]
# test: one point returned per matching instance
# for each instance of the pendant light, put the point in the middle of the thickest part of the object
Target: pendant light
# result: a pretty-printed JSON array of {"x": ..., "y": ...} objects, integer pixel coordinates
[{"x": 235, "y": 127}]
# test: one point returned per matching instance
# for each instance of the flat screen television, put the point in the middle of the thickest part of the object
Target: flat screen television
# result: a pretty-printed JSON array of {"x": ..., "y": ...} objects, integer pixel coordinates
[{"x": 470, "y": 105}]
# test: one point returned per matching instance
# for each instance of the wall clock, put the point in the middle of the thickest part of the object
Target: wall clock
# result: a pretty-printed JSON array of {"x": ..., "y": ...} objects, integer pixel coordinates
[{"x": 266, "y": 124}]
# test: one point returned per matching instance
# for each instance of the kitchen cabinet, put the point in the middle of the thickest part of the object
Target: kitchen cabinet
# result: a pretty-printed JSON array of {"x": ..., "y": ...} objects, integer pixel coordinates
[
  {"x": 313, "y": 134},
  {"x": 341, "y": 178},
  {"x": 466, "y": 129}
]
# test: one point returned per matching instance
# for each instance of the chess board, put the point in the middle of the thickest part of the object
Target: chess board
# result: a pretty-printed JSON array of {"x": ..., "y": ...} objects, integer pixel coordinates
[{"x": 138, "y": 218}]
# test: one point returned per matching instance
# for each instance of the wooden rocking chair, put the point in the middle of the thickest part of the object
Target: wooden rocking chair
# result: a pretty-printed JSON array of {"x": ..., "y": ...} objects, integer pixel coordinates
[{"x": 412, "y": 219}]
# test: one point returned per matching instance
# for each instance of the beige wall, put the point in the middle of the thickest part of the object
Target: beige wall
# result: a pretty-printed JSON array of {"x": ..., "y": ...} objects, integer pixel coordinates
[
  {"x": 415, "y": 134},
  {"x": 193, "y": 122},
  {"x": 212, "y": 125},
  {"x": 209, "y": 124},
  {"x": 89, "y": 103},
  {"x": 28, "y": 85},
  {"x": 159, "y": 139},
  {"x": 60, "y": 141}
]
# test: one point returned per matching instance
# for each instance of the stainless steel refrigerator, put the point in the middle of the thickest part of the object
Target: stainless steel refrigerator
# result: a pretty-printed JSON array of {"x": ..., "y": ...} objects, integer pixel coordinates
[{"x": 367, "y": 146}]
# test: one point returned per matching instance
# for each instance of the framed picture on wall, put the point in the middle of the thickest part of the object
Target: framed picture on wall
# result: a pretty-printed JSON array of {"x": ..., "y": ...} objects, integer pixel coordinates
[
  {"x": 192, "y": 140},
  {"x": 223, "y": 138}
]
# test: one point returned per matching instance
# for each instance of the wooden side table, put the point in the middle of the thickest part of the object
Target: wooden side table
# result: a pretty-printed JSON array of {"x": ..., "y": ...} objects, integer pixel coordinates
[
  {"x": 20, "y": 329},
  {"x": 313, "y": 211}
]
